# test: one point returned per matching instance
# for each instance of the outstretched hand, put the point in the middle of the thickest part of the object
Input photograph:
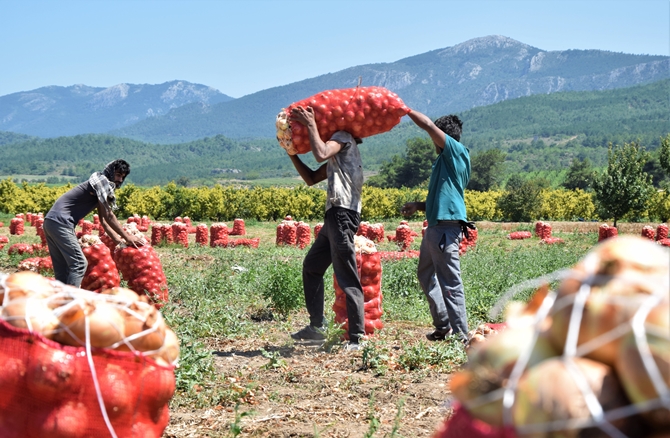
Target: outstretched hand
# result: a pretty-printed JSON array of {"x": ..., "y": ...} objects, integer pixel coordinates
[
  {"x": 302, "y": 115},
  {"x": 409, "y": 209}
]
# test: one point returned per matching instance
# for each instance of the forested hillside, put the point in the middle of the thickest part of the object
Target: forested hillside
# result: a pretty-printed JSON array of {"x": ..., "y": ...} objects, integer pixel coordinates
[{"x": 541, "y": 132}]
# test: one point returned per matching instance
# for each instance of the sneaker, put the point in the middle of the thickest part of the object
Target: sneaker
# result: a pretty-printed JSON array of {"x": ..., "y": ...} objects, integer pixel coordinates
[
  {"x": 350, "y": 346},
  {"x": 439, "y": 335},
  {"x": 309, "y": 333}
]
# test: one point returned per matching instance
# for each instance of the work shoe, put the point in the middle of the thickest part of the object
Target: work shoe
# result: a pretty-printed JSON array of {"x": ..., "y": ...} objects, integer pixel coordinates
[
  {"x": 439, "y": 335},
  {"x": 351, "y": 346},
  {"x": 309, "y": 333}
]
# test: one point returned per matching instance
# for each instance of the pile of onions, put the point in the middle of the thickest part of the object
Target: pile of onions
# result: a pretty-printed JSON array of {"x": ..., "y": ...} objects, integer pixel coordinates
[
  {"x": 116, "y": 319},
  {"x": 589, "y": 359}
]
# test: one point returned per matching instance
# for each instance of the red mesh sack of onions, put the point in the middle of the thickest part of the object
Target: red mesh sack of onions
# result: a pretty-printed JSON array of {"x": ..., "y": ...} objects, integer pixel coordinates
[
  {"x": 317, "y": 229},
  {"x": 303, "y": 235},
  {"x": 648, "y": 232},
  {"x": 81, "y": 364},
  {"x": 16, "y": 226},
  {"x": 41, "y": 265},
  {"x": 239, "y": 228},
  {"x": 101, "y": 272},
  {"x": 361, "y": 111},
  {"x": 519, "y": 235},
  {"x": 369, "y": 265},
  {"x": 39, "y": 230},
  {"x": 201, "y": 234},
  {"x": 142, "y": 269},
  {"x": 3, "y": 241},
  {"x": 662, "y": 232},
  {"x": 250, "y": 243},
  {"x": 404, "y": 236},
  {"x": 589, "y": 359},
  {"x": 180, "y": 233},
  {"x": 21, "y": 248},
  {"x": 218, "y": 234}
]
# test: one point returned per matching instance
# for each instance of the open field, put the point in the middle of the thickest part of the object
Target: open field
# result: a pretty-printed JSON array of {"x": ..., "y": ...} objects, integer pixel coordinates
[{"x": 242, "y": 374}]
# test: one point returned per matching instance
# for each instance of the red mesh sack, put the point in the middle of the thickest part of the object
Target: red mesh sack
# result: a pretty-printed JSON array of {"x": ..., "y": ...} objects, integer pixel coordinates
[
  {"x": 16, "y": 226},
  {"x": 39, "y": 229},
  {"x": 551, "y": 240},
  {"x": 404, "y": 236},
  {"x": 142, "y": 269},
  {"x": 4, "y": 239},
  {"x": 361, "y": 111},
  {"x": 664, "y": 242},
  {"x": 648, "y": 232},
  {"x": 101, "y": 272},
  {"x": 317, "y": 228},
  {"x": 423, "y": 228},
  {"x": 178, "y": 219},
  {"x": 289, "y": 231},
  {"x": 368, "y": 261},
  {"x": 87, "y": 227},
  {"x": 238, "y": 228},
  {"x": 251, "y": 243},
  {"x": 108, "y": 241},
  {"x": 462, "y": 246},
  {"x": 218, "y": 234},
  {"x": 398, "y": 255},
  {"x": 461, "y": 425},
  {"x": 375, "y": 232},
  {"x": 602, "y": 232},
  {"x": 156, "y": 234},
  {"x": 201, "y": 234},
  {"x": 41, "y": 265},
  {"x": 612, "y": 232},
  {"x": 21, "y": 248},
  {"x": 145, "y": 222},
  {"x": 363, "y": 229},
  {"x": 474, "y": 235},
  {"x": 180, "y": 234},
  {"x": 54, "y": 390},
  {"x": 519, "y": 235},
  {"x": 166, "y": 234},
  {"x": 662, "y": 232},
  {"x": 29, "y": 218},
  {"x": 303, "y": 235}
]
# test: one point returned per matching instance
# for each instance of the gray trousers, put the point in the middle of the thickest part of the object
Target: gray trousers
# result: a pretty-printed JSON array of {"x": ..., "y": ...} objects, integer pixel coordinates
[
  {"x": 439, "y": 274},
  {"x": 335, "y": 245},
  {"x": 68, "y": 259}
]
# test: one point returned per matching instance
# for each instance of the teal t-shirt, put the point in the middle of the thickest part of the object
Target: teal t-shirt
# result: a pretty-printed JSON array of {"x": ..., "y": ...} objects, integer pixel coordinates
[{"x": 446, "y": 189}]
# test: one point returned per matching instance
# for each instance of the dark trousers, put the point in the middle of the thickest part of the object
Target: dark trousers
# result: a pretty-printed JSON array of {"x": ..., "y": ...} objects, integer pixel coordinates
[
  {"x": 68, "y": 259},
  {"x": 335, "y": 245}
]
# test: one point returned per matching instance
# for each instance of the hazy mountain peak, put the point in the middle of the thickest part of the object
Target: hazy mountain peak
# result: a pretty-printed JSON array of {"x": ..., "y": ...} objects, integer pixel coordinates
[{"x": 486, "y": 43}]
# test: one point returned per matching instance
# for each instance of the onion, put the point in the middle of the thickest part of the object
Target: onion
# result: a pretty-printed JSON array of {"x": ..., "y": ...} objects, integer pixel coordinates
[
  {"x": 117, "y": 390},
  {"x": 25, "y": 283},
  {"x": 169, "y": 352},
  {"x": 50, "y": 373},
  {"x": 12, "y": 375},
  {"x": 106, "y": 325},
  {"x": 151, "y": 321},
  {"x": 32, "y": 314},
  {"x": 157, "y": 388},
  {"x": 548, "y": 392},
  {"x": 490, "y": 365},
  {"x": 622, "y": 272},
  {"x": 121, "y": 292},
  {"x": 632, "y": 371},
  {"x": 69, "y": 420}
]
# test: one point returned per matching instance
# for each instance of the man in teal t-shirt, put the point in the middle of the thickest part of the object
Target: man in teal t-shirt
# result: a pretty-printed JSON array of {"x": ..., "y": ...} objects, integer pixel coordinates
[{"x": 439, "y": 270}]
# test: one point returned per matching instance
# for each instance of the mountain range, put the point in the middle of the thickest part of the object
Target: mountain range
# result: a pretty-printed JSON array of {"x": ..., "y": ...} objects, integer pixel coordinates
[{"x": 478, "y": 72}]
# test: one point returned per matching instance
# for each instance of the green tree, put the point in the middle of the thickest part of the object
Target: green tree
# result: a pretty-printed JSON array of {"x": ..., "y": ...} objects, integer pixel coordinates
[
  {"x": 580, "y": 175},
  {"x": 521, "y": 201},
  {"x": 664, "y": 155},
  {"x": 623, "y": 186},
  {"x": 410, "y": 170},
  {"x": 486, "y": 170}
]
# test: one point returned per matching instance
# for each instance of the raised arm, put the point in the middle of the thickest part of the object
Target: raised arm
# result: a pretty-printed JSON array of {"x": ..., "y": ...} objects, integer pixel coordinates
[
  {"x": 321, "y": 150},
  {"x": 422, "y": 121}
]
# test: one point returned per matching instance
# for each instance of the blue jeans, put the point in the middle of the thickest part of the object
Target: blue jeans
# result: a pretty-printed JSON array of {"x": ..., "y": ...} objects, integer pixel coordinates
[
  {"x": 68, "y": 259},
  {"x": 439, "y": 274},
  {"x": 335, "y": 245}
]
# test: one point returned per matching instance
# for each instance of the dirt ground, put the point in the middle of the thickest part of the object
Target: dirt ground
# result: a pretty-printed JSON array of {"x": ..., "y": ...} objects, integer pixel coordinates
[{"x": 321, "y": 394}]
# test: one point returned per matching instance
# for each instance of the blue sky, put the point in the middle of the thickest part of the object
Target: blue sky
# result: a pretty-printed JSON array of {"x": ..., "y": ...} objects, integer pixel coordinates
[{"x": 240, "y": 47}]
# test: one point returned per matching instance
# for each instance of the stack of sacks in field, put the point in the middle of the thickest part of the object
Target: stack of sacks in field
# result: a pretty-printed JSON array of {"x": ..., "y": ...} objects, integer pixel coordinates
[
  {"x": 201, "y": 234},
  {"x": 591, "y": 359},
  {"x": 374, "y": 232},
  {"x": 317, "y": 229},
  {"x": 662, "y": 235},
  {"x": 239, "y": 228},
  {"x": 369, "y": 266},
  {"x": 41, "y": 265},
  {"x": 218, "y": 234},
  {"x": 79, "y": 364},
  {"x": 286, "y": 232},
  {"x": 404, "y": 236},
  {"x": 16, "y": 226},
  {"x": 303, "y": 234},
  {"x": 605, "y": 232},
  {"x": 180, "y": 234},
  {"x": 20, "y": 249},
  {"x": 648, "y": 232},
  {"x": 142, "y": 268},
  {"x": 542, "y": 230},
  {"x": 519, "y": 235},
  {"x": 189, "y": 225},
  {"x": 39, "y": 229},
  {"x": 361, "y": 111},
  {"x": 161, "y": 234},
  {"x": 101, "y": 272}
]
